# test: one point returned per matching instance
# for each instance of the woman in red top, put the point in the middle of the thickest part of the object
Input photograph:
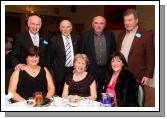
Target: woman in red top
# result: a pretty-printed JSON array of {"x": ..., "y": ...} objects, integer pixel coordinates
[{"x": 121, "y": 82}]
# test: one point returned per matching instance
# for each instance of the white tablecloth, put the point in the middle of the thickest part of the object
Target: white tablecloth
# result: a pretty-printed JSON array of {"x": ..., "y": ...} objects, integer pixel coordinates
[{"x": 61, "y": 102}]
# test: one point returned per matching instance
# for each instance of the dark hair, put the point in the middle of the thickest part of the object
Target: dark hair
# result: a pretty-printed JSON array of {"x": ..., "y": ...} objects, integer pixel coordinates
[
  {"x": 131, "y": 11},
  {"x": 121, "y": 57},
  {"x": 8, "y": 42},
  {"x": 32, "y": 51}
]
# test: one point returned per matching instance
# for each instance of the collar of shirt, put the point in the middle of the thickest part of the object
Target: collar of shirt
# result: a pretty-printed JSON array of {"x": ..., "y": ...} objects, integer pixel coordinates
[
  {"x": 32, "y": 35},
  {"x": 132, "y": 31},
  {"x": 98, "y": 35},
  {"x": 64, "y": 37}
]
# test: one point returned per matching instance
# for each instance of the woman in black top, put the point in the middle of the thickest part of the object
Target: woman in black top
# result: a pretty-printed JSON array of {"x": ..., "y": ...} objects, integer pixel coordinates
[
  {"x": 23, "y": 84},
  {"x": 121, "y": 82},
  {"x": 80, "y": 83}
]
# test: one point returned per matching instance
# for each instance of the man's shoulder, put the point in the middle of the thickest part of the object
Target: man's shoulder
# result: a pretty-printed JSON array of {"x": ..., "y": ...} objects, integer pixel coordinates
[
  {"x": 122, "y": 31},
  {"x": 87, "y": 33},
  {"x": 142, "y": 30},
  {"x": 42, "y": 35},
  {"x": 22, "y": 33},
  {"x": 107, "y": 31},
  {"x": 145, "y": 32},
  {"x": 121, "y": 34},
  {"x": 21, "y": 37},
  {"x": 55, "y": 37},
  {"x": 74, "y": 35}
]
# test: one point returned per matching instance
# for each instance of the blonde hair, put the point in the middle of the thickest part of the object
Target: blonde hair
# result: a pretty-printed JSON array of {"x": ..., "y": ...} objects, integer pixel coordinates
[{"x": 81, "y": 56}]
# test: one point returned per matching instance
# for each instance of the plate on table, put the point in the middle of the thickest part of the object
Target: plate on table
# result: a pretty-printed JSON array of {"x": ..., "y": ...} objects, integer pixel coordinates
[
  {"x": 45, "y": 102},
  {"x": 73, "y": 100},
  {"x": 30, "y": 103},
  {"x": 73, "y": 104}
]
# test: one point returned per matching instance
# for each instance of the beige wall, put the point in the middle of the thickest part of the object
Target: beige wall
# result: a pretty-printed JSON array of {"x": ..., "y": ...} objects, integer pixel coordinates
[
  {"x": 84, "y": 14},
  {"x": 146, "y": 16}
]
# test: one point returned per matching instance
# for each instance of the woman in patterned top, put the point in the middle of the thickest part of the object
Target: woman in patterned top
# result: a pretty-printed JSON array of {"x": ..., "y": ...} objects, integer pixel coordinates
[{"x": 80, "y": 83}]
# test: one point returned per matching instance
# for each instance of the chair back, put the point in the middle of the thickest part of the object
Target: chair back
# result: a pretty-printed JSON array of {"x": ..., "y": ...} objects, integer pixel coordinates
[{"x": 141, "y": 96}]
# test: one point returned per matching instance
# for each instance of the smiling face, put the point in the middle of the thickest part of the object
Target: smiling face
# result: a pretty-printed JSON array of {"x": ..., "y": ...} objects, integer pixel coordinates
[
  {"x": 99, "y": 24},
  {"x": 130, "y": 22},
  {"x": 65, "y": 27},
  {"x": 80, "y": 65},
  {"x": 32, "y": 60},
  {"x": 116, "y": 64},
  {"x": 34, "y": 24}
]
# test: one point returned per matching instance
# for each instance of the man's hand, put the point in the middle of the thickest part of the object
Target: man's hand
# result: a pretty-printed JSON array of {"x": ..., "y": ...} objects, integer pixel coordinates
[
  {"x": 145, "y": 81},
  {"x": 19, "y": 67}
]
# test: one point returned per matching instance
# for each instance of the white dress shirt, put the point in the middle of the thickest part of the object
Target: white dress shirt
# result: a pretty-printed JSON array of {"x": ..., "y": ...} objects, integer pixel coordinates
[
  {"x": 35, "y": 38},
  {"x": 71, "y": 46}
]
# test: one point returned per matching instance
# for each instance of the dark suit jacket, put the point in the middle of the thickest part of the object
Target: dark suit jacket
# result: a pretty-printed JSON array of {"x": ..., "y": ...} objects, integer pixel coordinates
[
  {"x": 141, "y": 59},
  {"x": 126, "y": 89},
  {"x": 58, "y": 55},
  {"x": 22, "y": 42},
  {"x": 88, "y": 47}
]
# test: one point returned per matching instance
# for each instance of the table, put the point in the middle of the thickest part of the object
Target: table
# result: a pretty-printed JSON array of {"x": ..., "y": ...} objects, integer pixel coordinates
[{"x": 61, "y": 102}]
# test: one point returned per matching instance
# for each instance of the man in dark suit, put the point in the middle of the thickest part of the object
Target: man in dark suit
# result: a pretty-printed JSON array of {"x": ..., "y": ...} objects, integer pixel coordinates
[
  {"x": 137, "y": 45},
  {"x": 63, "y": 49},
  {"x": 26, "y": 39},
  {"x": 98, "y": 44}
]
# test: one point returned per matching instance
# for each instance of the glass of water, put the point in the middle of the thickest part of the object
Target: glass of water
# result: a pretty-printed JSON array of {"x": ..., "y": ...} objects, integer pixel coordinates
[{"x": 65, "y": 100}]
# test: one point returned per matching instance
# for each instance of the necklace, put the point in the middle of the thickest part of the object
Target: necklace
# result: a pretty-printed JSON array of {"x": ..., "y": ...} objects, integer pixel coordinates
[
  {"x": 79, "y": 77},
  {"x": 33, "y": 70}
]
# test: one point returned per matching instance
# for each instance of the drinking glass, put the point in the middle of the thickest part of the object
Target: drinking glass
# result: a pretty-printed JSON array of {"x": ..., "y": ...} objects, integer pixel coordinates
[
  {"x": 65, "y": 100},
  {"x": 38, "y": 98}
]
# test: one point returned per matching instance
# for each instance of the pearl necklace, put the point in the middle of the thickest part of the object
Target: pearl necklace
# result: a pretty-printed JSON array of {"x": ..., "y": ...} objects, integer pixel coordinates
[{"x": 79, "y": 77}]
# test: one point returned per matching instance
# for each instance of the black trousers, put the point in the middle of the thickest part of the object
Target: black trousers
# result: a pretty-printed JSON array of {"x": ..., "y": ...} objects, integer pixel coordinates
[
  {"x": 60, "y": 83},
  {"x": 100, "y": 78}
]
